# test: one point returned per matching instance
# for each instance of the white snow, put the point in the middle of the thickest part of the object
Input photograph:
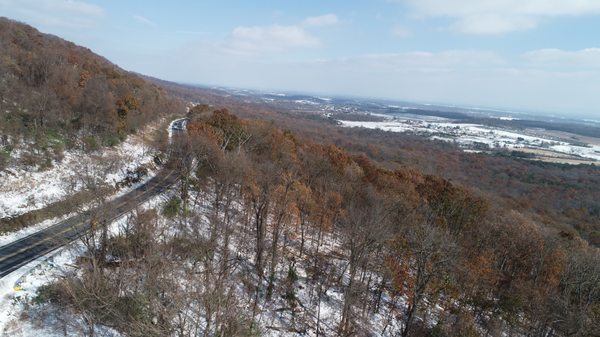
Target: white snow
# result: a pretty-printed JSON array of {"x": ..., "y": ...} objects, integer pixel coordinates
[
  {"x": 468, "y": 135},
  {"x": 593, "y": 151},
  {"x": 306, "y": 102},
  {"x": 24, "y": 190},
  {"x": 18, "y": 289}
]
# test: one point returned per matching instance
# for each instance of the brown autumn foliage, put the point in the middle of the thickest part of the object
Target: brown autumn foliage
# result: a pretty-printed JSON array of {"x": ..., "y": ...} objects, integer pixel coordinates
[
  {"x": 55, "y": 95},
  {"x": 428, "y": 256},
  {"x": 436, "y": 240},
  {"x": 487, "y": 239},
  {"x": 565, "y": 198}
]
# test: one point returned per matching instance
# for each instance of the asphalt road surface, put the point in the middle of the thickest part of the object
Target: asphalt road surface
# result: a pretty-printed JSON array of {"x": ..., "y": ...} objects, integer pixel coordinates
[
  {"x": 18, "y": 253},
  {"x": 21, "y": 252}
]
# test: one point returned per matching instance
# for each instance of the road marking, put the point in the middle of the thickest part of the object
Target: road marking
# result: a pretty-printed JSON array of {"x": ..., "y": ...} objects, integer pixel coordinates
[
  {"x": 38, "y": 243},
  {"x": 58, "y": 224}
]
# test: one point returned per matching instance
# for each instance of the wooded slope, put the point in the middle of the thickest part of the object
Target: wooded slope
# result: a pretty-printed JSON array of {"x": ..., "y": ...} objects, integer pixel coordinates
[{"x": 56, "y": 95}]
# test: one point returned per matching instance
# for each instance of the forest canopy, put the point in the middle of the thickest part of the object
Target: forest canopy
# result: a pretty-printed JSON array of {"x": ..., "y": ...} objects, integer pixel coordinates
[
  {"x": 264, "y": 218},
  {"x": 56, "y": 95}
]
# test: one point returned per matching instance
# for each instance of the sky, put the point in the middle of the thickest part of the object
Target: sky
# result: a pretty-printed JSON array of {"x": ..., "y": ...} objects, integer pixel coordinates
[{"x": 529, "y": 55}]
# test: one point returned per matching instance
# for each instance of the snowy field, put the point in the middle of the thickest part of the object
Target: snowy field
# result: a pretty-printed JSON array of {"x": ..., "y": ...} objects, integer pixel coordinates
[
  {"x": 475, "y": 137},
  {"x": 22, "y": 191}
]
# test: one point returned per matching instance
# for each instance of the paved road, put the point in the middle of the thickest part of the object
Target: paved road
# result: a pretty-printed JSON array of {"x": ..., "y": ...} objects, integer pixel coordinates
[
  {"x": 20, "y": 252},
  {"x": 27, "y": 249}
]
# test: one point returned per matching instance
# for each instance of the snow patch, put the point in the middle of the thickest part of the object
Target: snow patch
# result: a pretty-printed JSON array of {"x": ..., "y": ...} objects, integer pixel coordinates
[
  {"x": 469, "y": 136},
  {"x": 24, "y": 191},
  {"x": 18, "y": 289}
]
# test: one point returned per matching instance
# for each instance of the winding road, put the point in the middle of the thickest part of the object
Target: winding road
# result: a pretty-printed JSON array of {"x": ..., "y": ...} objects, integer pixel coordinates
[{"x": 18, "y": 253}]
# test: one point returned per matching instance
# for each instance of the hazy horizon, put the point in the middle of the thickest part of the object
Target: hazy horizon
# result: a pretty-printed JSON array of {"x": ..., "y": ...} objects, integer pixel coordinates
[
  {"x": 464, "y": 106},
  {"x": 530, "y": 56}
]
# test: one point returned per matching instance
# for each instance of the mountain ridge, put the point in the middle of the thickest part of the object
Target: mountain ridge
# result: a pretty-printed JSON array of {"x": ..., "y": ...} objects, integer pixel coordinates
[{"x": 56, "y": 95}]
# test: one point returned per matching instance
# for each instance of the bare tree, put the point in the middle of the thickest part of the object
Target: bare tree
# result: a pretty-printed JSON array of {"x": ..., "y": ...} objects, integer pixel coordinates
[{"x": 423, "y": 256}]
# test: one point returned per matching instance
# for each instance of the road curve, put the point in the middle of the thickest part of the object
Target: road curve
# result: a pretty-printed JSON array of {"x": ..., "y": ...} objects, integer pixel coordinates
[{"x": 18, "y": 253}]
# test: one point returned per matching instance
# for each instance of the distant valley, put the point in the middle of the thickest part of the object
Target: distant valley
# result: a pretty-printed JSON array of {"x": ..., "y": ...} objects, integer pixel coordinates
[{"x": 496, "y": 132}]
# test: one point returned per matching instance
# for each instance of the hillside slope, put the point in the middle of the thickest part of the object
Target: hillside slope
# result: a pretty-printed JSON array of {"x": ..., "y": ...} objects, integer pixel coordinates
[
  {"x": 55, "y": 95},
  {"x": 271, "y": 234}
]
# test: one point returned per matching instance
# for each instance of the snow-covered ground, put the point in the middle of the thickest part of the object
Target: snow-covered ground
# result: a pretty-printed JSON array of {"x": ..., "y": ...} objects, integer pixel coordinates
[
  {"x": 472, "y": 136},
  {"x": 9, "y": 237},
  {"x": 22, "y": 316},
  {"x": 22, "y": 191},
  {"x": 19, "y": 289},
  {"x": 18, "y": 314}
]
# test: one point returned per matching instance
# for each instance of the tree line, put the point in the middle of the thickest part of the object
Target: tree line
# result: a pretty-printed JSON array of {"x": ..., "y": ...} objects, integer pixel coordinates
[
  {"x": 266, "y": 228},
  {"x": 563, "y": 197}
]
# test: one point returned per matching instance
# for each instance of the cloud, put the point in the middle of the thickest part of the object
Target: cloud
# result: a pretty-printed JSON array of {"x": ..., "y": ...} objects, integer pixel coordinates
[
  {"x": 275, "y": 38},
  {"x": 401, "y": 32},
  {"x": 538, "y": 81},
  {"x": 59, "y": 13},
  {"x": 321, "y": 21},
  {"x": 588, "y": 58},
  {"x": 499, "y": 16},
  {"x": 143, "y": 20},
  {"x": 493, "y": 24},
  {"x": 257, "y": 40},
  {"x": 450, "y": 59}
]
